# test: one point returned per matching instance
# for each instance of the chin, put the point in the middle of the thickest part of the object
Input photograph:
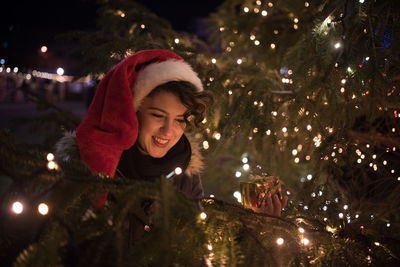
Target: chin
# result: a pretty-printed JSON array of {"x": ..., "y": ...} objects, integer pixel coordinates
[{"x": 157, "y": 154}]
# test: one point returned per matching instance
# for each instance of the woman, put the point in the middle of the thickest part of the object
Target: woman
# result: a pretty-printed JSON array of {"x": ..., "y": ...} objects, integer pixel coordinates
[{"x": 135, "y": 126}]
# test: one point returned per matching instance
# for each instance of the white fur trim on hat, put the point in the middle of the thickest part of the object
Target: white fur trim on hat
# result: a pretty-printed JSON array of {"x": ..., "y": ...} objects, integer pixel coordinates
[{"x": 158, "y": 73}]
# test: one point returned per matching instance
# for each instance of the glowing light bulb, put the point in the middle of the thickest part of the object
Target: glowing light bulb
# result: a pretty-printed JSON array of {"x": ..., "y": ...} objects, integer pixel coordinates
[
  {"x": 60, "y": 71},
  {"x": 264, "y": 13},
  {"x": 238, "y": 174},
  {"x": 239, "y": 61},
  {"x": 337, "y": 45},
  {"x": 176, "y": 40},
  {"x": 238, "y": 196},
  {"x": 17, "y": 207},
  {"x": 280, "y": 241},
  {"x": 305, "y": 241},
  {"x": 245, "y": 160},
  {"x": 203, "y": 215},
  {"x": 178, "y": 170},
  {"x": 213, "y": 60},
  {"x": 246, "y": 9},
  {"x": 43, "y": 49},
  {"x": 50, "y": 157},
  {"x": 43, "y": 208},
  {"x": 246, "y": 167},
  {"x": 301, "y": 230}
]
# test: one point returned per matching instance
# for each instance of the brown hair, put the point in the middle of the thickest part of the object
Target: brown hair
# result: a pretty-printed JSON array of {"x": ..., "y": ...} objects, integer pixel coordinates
[{"x": 196, "y": 102}]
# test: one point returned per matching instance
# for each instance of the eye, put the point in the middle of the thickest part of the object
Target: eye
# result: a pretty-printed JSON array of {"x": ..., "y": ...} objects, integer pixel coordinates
[
  {"x": 181, "y": 120},
  {"x": 157, "y": 115}
]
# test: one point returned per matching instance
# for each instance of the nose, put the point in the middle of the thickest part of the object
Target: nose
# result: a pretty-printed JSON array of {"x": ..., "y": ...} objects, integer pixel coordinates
[{"x": 167, "y": 127}]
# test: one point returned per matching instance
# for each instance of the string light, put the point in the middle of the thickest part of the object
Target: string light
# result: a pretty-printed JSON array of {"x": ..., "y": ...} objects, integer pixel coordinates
[
  {"x": 43, "y": 208},
  {"x": 305, "y": 241},
  {"x": 246, "y": 167},
  {"x": 17, "y": 207},
  {"x": 205, "y": 145},
  {"x": 178, "y": 170},
  {"x": 176, "y": 40},
  {"x": 246, "y": 9},
  {"x": 280, "y": 241},
  {"x": 264, "y": 13},
  {"x": 238, "y": 196},
  {"x": 337, "y": 45},
  {"x": 238, "y": 174},
  {"x": 203, "y": 215}
]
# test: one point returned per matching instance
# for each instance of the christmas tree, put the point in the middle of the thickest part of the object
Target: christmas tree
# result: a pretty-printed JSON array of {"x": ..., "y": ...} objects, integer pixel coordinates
[{"x": 306, "y": 91}]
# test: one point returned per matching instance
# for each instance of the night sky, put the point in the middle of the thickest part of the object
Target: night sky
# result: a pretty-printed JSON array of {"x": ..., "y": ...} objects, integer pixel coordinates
[{"x": 27, "y": 25}]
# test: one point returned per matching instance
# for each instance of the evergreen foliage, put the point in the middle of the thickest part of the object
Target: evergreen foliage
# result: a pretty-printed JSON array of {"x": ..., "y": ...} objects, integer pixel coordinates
[{"x": 306, "y": 91}]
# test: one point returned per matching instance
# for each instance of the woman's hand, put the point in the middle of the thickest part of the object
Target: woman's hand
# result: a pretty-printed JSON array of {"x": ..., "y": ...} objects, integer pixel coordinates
[{"x": 272, "y": 205}]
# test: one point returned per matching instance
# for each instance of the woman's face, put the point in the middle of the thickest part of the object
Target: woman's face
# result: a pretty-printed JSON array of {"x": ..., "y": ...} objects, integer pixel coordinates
[{"x": 161, "y": 123}]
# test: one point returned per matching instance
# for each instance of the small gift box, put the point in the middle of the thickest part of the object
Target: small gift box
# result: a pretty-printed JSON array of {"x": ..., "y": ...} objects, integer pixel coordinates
[{"x": 257, "y": 189}]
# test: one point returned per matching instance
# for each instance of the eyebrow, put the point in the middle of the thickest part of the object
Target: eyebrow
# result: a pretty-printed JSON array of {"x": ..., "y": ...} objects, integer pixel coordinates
[{"x": 163, "y": 111}]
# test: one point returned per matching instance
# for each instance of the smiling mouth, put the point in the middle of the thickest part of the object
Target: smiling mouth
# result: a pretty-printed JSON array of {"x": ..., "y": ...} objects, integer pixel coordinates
[{"x": 160, "y": 141}]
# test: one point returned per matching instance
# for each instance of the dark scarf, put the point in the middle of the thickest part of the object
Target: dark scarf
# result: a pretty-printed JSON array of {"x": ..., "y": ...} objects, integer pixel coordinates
[{"x": 134, "y": 165}]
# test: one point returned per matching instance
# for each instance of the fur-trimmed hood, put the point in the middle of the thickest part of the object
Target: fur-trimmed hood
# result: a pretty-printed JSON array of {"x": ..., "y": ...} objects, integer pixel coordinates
[{"x": 67, "y": 149}]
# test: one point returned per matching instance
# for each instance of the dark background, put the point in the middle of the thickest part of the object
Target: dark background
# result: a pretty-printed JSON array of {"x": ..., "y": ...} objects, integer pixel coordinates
[{"x": 28, "y": 25}]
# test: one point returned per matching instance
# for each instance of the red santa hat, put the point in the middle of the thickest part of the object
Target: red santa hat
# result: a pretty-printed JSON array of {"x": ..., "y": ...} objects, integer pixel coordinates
[{"x": 111, "y": 125}]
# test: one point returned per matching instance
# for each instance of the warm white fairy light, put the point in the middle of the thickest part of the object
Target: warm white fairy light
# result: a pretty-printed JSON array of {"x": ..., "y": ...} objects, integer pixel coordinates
[
  {"x": 238, "y": 196},
  {"x": 296, "y": 129},
  {"x": 294, "y": 152},
  {"x": 217, "y": 136},
  {"x": 337, "y": 45},
  {"x": 206, "y": 145},
  {"x": 296, "y": 160},
  {"x": 142, "y": 26},
  {"x": 50, "y": 156},
  {"x": 324, "y": 208},
  {"x": 340, "y": 215},
  {"x": 17, "y": 207},
  {"x": 309, "y": 177},
  {"x": 51, "y": 165},
  {"x": 178, "y": 170},
  {"x": 15, "y": 69},
  {"x": 43, "y": 208},
  {"x": 203, "y": 215},
  {"x": 246, "y": 9},
  {"x": 245, "y": 160},
  {"x": 246, "y": 167},
  {"x": 252, "y": 37},
  {"x": 268, "y": 132},
  {"x": 374, "y": 156},
  {"x": 361, "y": 1},
  {"x": 309, "y": 127},
  {"x": 306, "y": 4},
  {"x": 8, "y": 70},
  {"x": 238, "y": 174},
  {"x": 256, "y": 42},
  {"x": 264, "y": 13},
  {"x": 273, "y": 45},
  {"x": 359, "y": 161},
  {"x": 280, "y": 241},
  {"x": 284, "y": 129},
  {"x": 258, "y": 2},
  {"x": 308, "y": 157},
  {"x": 239, "y": 61},
  {"x": 301, "y": 230},
  {"x": 345, "y": 207},
  {"x": 305, "y": 241},
  {"x": 256, "y": 10}
]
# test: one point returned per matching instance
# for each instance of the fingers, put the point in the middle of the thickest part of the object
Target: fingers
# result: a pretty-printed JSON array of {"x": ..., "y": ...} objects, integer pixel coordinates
[{"x": 277, "y": 206}]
